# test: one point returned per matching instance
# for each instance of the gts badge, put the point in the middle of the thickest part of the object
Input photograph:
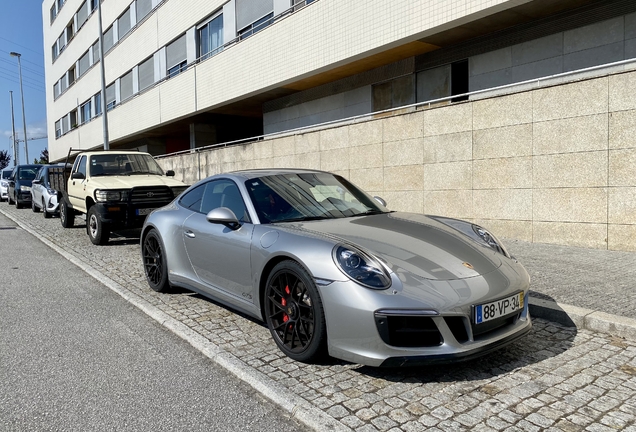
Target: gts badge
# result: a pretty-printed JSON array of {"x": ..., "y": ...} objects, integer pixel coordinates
[{"x": 247, "y": 295}]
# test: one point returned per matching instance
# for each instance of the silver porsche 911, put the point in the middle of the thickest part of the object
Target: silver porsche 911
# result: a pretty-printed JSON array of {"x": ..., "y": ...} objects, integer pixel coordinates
[{"x": 332, "y": 271}]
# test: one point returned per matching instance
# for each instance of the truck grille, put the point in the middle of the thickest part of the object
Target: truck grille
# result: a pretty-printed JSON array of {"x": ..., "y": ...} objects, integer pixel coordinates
[{"x": 151, "y": 195}]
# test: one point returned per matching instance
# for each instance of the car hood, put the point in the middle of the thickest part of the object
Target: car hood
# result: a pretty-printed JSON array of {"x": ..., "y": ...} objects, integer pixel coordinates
[
  {"x": 413, "y": 242},
  {"x": 128, "y": 182}
]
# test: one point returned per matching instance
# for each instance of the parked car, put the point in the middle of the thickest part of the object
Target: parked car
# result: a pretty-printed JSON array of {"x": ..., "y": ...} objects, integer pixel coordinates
[
  {"x": 20, "y": 184},
  {"x": 4, "y": 183},
  {"x": 43, "y": 196},
  {"x": 331, "y": 270}
]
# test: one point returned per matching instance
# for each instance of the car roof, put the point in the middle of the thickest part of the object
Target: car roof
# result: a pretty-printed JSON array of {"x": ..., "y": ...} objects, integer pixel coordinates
[{"x": 254, "y": 173}]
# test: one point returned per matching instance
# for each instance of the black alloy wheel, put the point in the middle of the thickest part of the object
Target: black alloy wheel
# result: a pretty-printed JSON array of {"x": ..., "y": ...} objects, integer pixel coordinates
[
  {"x": 154, "y": 260},
  {"x": 294, "y": 313}
]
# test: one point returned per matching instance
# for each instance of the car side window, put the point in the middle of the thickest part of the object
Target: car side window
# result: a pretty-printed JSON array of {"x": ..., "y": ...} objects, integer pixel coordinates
[
  {"x": 224, "y": 193},
  {"x": 192, "y": 199},
  {"x": 81, "y": 167}
]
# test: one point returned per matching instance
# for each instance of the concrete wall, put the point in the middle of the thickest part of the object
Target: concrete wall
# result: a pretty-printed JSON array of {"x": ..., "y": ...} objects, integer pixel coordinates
[
  {"x": 595, "y": 44},
  {"x": 551, "y": 165}
]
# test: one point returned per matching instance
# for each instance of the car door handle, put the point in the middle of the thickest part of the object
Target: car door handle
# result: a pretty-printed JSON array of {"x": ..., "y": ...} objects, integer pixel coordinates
[{"x": 190, "y": 234}]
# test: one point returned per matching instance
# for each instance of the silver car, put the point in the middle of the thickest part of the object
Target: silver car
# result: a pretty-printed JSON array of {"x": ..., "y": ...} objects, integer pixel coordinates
[
  {"x": 43, "y": 196},
  {"x": 4, "y": 183},
  {"x": 331, "y": 270}
]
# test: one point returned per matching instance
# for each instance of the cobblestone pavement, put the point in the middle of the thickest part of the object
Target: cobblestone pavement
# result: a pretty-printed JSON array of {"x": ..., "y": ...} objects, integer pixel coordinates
[{"x": 557, "y": 378}]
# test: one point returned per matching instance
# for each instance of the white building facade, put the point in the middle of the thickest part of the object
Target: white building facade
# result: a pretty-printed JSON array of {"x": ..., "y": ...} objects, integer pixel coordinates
[{"x": 185, "y": 74}]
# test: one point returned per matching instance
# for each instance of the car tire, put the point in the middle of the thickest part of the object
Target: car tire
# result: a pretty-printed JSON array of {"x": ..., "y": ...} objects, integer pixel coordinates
[
  {"x": 154, "y": 261},
  {"x": 294, "y": 312},
  {"x": 17, "y": 204},
  {"x": 34, "y": 207},
  {"x": 97, "y": 231},
  {"x": 67, "y": 217},
  {"x": 47, "y": 215}
]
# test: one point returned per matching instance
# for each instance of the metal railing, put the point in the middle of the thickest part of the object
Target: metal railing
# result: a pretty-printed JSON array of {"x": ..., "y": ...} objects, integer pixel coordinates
[{"x": 493, "y": 91}]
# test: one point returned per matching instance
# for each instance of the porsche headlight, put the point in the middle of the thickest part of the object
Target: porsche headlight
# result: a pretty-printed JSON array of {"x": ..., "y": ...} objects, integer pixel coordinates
[
  {"x": 490, "y": 240},
  {"x": 361, "y": 267}
]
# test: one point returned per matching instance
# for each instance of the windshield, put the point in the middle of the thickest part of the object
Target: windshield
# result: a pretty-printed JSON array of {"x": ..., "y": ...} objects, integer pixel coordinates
[
  {"x": 123, "y": 164},
  {"x": 310, "y": 196},
  {"x": 27, "y": 173}
]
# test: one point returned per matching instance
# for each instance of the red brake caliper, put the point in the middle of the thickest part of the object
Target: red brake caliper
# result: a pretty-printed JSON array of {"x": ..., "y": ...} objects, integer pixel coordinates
[{"x": 284, "y": 303}]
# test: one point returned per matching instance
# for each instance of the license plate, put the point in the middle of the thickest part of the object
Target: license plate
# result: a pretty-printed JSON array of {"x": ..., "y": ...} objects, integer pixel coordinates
[
  {"x": 493, "y": 310},
  {"x": 143, "y": 212}
]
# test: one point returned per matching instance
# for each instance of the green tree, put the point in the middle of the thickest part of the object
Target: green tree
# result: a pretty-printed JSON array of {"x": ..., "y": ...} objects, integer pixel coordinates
[
  {"x": 4, "y": 159},
  {"x": 44, "y": 158}
]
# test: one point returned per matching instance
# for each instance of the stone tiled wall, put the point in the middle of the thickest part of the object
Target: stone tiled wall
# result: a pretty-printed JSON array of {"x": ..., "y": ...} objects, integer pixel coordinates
[{"x": 550, "y": 165}]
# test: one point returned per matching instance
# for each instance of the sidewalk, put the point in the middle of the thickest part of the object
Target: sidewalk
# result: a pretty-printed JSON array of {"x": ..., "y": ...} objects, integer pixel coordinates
[{"x": 594, "y": 289}]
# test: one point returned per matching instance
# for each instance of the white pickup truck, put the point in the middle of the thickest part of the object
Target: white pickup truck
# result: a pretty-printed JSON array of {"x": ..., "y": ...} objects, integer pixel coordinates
[{"x": 114, "y": 189}]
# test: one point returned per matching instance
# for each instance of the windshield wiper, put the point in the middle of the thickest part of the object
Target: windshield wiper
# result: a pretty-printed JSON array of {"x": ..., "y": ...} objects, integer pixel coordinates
[
  {"x": 368, "y": 213},
  {"x": 305, "y": 218}
]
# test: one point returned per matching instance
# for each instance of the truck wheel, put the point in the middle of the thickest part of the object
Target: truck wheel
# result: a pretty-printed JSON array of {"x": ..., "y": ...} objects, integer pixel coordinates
[
  {"x": 34, "y": 208},
  {"x": 98, "y": 231},
  {"x": 67, "y": 217},
  {"x": 17, "y": 204}
]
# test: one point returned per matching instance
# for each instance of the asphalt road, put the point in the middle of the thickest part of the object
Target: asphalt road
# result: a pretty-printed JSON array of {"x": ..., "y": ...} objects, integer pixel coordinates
[{"x": 74, "y": 356}]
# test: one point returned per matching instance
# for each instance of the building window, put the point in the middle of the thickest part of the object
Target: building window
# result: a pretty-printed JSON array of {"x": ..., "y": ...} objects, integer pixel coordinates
[
  {"x": 176, "y": 57},
  {"x": 85, "y": 112},
  {"x": 123, "y": 24},
  {"x": 143, "y": 8},
  {"x": 56, "y": 90},
  {"x": 63, "y": 84},
  {"x": 58, "y": 128},
  {"x": 111, "y": 97},
  {"x": 53, "y": 13},
  {"x": 61, "y": 42},
  {"x": 70, "y": 31},
  {"x": 98, "y": 104},
  {"x": 71, "y": 75},
  {"x": 93, "y": 4},
  {"x": 126, "y": 86},
  {"x": 146, "y": 73},
  {"x": 211, "y": 37},
  {"x": 82, "y": 14},
  {"x": 95, "y": 49},
  {"x": 256, "y": 26},
  {"x": 84, "y": 63},
  {"x": 54, "y": 51},
  {"x": 108, "y": 39},
  {"x": 73, "y": 118},
  {"x": 60, "y": 3}
]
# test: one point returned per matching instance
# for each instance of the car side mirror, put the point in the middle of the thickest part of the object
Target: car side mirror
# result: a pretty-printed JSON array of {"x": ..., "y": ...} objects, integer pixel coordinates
[
  {"x": 78, "y": 176},
  {"x": 224, "y": 216},
  {"x": 170, "y": 173},
  {"x": 380, "y": 200}
]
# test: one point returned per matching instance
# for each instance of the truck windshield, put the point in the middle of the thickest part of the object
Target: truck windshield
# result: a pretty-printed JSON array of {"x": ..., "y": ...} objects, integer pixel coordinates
[{"x": 113, "y": 164}]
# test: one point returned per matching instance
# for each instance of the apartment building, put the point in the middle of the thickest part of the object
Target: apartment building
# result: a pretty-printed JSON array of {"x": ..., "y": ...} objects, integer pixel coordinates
[{"x": 185, "y": 74}]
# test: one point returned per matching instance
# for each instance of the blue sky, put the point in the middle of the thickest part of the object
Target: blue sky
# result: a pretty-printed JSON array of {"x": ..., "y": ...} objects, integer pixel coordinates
[{"x": 21, "y": 31}]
